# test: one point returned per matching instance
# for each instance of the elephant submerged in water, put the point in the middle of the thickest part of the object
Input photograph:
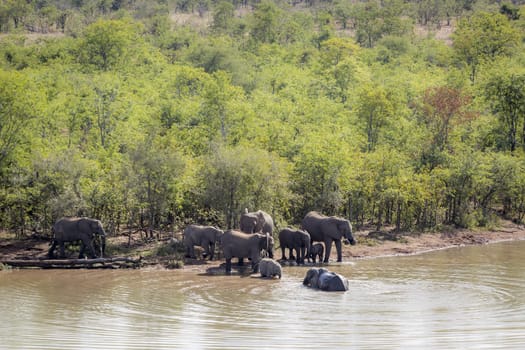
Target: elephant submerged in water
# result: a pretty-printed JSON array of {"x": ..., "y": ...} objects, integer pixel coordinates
[
  {"x": 77, "y": 229},
  {"x": 204, "y": 236},
  {"x": 245, "y": 245},
  {"x": 325, "y": 280},
  {"x": 328, "y": 229}
]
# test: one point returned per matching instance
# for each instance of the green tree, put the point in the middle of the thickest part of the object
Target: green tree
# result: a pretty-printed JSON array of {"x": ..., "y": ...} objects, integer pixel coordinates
[
  {"x": 106, "y": 43},
  {"x": 237, "y": 178},
  {"x": 265, "y": 22},
  {"x": 375, "y": 109},
  {"x": 483, "y": 37},
  {"x": 18, "y": 107},
  {"x": 223, "y": 16},
  {"x": 506, "y": 95}
]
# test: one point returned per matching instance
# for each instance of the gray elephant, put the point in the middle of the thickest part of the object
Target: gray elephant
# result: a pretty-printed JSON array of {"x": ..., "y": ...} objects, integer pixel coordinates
[
  {"x": 204, "y": 236},
  {"x": 325, "y": 280},
  {"x": 270, "y": 268},
  {"x": 297, "y": 240},
  {"x": 243, "y": 245},
  {"x": 328, "y": 229},
  {"x": 77, "y": 229},
  {"x": 316, "y": 250},
  {"x": 257, "y": 221}
]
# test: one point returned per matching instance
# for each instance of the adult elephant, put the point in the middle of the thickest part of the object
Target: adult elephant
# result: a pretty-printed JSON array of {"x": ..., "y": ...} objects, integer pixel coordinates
[
  {"x": 328, "y": 229},
  {"x": 204, "y": 236},
  {"x": 77, "y": 229},
  {"x": 257, "y": 221},
  {"x": 325, "y": 280},
  {"x": 297, "y": 240},
  {"x": 243, "y": 245}
]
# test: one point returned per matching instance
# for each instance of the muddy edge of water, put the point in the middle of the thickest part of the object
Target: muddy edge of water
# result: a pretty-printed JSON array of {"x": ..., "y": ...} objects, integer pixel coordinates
[{"x": 370, "y": 245}]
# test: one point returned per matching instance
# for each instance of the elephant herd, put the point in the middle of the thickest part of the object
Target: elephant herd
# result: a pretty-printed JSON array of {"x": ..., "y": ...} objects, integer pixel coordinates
[
  {"x": 256, "y": 235},
  {"x": 254, "y": 240}
]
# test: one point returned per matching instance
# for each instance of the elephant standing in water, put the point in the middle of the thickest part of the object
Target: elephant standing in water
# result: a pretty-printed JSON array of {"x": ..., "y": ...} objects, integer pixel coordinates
[
  {"x": 243, "y": 245},
  {"x": 77, "y": 229},
  {"x": 257, "y": 221},
  {"x": 204, "y": 236},
  {"x": 297, "y": 240},
  {"x": 328, "y": 229},
  {"x": 316, "y": 250},
  {"x": 325, "y": 280}
]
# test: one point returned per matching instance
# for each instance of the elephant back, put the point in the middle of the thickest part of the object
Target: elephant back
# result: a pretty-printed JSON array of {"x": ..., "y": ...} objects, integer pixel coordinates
[
  {"x": 238, "y": 244},
  {"x": 312, "y": 223}
]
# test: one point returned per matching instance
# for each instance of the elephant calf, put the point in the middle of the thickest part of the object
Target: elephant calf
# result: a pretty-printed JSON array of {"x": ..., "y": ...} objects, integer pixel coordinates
[
  {"x": 316, "y": 250},
  {"x": 270, "y": 268}
]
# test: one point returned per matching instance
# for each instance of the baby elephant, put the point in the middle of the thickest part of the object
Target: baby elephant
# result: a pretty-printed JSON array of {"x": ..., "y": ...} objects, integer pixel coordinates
[
  {"x": 316, "y": 250},
  {"x": 270, "y": 268}
]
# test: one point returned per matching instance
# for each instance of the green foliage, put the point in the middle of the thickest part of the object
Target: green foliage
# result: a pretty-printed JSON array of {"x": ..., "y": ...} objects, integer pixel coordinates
[
  {"x": 507, "y": 97},
  {"x": 482, "y": 38},
  {"x": 150, "y": 118}
]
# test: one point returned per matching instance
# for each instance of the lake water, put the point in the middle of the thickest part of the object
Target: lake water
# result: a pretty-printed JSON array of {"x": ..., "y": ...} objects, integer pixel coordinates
[{"x": 461, "y": 298}]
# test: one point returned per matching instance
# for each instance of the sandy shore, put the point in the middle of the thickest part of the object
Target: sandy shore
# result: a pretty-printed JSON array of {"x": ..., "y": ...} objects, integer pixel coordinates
[{"x": 369, "y": 245}]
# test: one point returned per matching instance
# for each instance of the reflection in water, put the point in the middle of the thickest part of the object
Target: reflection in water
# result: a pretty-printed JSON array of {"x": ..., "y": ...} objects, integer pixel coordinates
[{"x": 461, "y": 298}]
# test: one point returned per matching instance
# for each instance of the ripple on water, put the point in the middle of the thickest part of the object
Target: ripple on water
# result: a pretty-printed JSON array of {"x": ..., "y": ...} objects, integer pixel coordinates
[{"x": 464, "y": 298}]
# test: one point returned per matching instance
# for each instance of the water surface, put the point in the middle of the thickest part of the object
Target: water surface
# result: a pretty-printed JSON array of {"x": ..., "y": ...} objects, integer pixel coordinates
[{"x": 464, "y": 298}]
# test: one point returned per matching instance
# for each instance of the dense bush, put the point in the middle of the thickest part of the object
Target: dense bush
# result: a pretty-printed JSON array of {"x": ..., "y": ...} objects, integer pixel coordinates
[{"x": 121, "y": 111}]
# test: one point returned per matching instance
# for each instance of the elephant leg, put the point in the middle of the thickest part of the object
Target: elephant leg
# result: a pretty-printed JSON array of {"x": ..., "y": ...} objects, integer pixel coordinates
[
  {"x": 292, "y": 257},
  {"x": 283, "y": 257},
  {"x": 339, "y": 249},
  {"x": 86, "y": 242},
  {"x": 255, "y": 266},
  {"x": 211, "y": 250},
  {"x": 82, "y": 249},
  {"x": 328, "y": 245},
  {"x": 229, "y": 266},
  {"x": 51, "y": 252},
  {"x": 62, "y": 250},
  {"x": 298, "y": 257},
  {"x": 192, "y": 252}
]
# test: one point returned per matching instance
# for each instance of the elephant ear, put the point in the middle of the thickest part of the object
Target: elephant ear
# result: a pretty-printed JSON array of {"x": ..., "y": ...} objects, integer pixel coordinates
[{"x": 96, "y": 225}]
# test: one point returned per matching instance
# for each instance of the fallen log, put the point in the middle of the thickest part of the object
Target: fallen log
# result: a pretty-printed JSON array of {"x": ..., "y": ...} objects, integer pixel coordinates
[{"x": 120, "y": 262}]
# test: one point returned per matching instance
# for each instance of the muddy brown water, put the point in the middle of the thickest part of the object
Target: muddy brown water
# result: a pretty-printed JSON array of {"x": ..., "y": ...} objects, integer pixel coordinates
[{"x": 461, "y": 298}]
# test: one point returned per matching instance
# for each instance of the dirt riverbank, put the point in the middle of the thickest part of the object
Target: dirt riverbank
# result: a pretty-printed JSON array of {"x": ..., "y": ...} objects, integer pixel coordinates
[{"x": 370, "y": 244}]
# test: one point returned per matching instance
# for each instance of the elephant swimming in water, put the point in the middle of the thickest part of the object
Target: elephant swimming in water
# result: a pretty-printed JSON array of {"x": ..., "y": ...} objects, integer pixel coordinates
[
  {"x": 77, "y": 229},
  {"x": 325, "y": 280}
]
